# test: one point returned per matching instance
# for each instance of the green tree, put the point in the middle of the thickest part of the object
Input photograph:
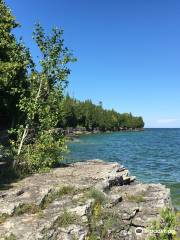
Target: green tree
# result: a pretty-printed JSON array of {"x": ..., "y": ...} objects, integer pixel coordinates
[
  {"x": 91, "y": 116},
  {"x": 14, "y": 62},
  {"x": 69, "y": 113},
  {"x": 38, "y": 145}
]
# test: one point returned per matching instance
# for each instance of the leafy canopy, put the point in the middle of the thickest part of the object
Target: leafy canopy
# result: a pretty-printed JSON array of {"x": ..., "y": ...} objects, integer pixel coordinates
[{"x": 14, "y": 63}]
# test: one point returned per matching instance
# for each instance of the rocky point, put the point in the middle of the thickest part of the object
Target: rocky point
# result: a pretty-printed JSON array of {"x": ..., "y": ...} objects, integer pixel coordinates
[{"x": 81, "y": 201}]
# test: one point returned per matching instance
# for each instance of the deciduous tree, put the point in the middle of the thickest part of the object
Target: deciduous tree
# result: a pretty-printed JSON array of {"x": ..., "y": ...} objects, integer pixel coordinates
[{"x": 38, "y": 145}]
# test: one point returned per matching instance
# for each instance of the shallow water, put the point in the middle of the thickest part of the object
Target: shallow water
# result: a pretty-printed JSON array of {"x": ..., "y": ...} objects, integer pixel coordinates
[{"x": 152, "y": 155}]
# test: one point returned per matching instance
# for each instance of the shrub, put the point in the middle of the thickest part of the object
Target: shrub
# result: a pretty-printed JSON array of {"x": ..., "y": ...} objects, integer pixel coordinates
[{"x": 164, "y": 228}]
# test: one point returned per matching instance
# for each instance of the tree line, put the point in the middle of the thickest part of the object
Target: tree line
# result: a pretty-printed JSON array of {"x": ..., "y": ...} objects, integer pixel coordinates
[{"x": 94, "y": 117}]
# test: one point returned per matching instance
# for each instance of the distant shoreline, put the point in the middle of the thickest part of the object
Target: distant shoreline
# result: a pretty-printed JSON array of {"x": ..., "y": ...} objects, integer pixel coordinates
[{"x": 72, "y": 133}]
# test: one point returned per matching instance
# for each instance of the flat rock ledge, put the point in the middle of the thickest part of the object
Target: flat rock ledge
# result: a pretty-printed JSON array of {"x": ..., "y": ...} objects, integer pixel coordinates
[{"x": 81, "y": 201}]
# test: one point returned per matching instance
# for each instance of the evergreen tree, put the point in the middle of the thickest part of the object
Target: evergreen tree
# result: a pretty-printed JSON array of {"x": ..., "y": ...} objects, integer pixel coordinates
[{"x": 91, "y": 116}]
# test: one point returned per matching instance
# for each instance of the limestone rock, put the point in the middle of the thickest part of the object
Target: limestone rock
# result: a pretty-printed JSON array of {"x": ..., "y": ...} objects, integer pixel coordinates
[{"x": 60, "y": 204}]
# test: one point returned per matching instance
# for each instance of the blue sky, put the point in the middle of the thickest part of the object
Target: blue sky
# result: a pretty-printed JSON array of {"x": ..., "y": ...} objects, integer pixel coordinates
[{"x": 128, "y": 51}]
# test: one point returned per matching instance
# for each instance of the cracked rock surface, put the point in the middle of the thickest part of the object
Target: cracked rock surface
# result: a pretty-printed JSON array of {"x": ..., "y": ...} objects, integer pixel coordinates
[{"x": 81, "y": 200}]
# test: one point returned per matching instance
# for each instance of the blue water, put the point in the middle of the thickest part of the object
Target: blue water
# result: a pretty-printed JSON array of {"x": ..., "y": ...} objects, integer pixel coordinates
[{"x": 152, "y": 155}]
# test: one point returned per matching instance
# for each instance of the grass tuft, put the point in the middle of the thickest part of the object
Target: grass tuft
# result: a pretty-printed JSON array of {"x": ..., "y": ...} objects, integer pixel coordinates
[
  {"x": 63, "y": 190},
  {"x": 3, "y": 217},
  {"x": 97, "y": 195},
  {"x": 67, "y": 218},
  {"x": 136, "y": 198},
  {"x": 10, "y": 237},
  {"x": 26, "y": 208}
]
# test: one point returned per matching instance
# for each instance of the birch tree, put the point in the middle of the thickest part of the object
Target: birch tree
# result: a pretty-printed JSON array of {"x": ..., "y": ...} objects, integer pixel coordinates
[{"x": 38, "y": 146}]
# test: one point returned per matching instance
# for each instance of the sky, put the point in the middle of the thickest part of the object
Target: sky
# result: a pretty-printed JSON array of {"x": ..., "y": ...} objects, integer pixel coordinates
[{"x": 128, "y": 51}]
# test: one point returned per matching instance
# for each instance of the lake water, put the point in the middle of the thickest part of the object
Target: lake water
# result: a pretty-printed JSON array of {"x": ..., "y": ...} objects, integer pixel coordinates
[{"x": 152, "y": 155}]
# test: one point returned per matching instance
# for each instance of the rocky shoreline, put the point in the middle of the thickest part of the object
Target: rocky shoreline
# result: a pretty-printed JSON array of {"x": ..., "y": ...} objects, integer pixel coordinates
[
  {"x": 85, "y": 200},
  {"x": 76, "y": 132}
]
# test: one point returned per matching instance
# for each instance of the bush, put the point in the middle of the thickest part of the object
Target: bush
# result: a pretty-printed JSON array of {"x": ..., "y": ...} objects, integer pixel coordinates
[{"x": 165, "y": 228}]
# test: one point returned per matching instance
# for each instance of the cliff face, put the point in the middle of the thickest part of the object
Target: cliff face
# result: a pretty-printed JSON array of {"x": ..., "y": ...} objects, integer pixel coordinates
[{"x": 87, "y": 200}]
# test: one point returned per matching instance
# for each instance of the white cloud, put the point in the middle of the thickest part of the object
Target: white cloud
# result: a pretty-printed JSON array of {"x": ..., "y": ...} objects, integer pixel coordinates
[{"x": 168, "y": 120}]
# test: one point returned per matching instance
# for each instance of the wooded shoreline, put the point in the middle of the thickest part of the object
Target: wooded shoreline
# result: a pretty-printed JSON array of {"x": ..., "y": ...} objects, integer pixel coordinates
[{"x": 75, "y": 132}]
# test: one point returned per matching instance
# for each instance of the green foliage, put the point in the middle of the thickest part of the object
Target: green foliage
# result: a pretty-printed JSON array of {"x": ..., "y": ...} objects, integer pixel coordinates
[
  {"x": 7, "y": 174},
  {"x": 91, "y": 116},
  {"x": 44, "y": 153},
  {"x": 97, "y": 195},
  {"x": 107, "y": 220},
  {"x": 3, "y": 217},
  {"x": 10, "y": 237},
  {"x": 31, "y": 96},
  {"x": 92, "y": 236},
  {"x": 136, "y": 198},
  {"x": 67, "y": 218},
  {"x": 6, "y": 154},
  {"x": 101, "y": 219},
  {"x": 26, "y": 208},
  {"x": 58, "y": 193},
  {"x": 37, "y": 145},
  {"x": 74, "y": 237},
  {"x": 64, "y": 190},
  {"x": 165, "y": 228},
  {"x": 14, "y": 63},
  {"x": 111, "y": 220}
]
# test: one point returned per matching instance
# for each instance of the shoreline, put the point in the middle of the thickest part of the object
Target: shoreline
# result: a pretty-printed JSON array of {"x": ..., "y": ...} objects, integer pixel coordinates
[
  {"x": 113, "y": 147},
  {"x": 73, "y": 133}
]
